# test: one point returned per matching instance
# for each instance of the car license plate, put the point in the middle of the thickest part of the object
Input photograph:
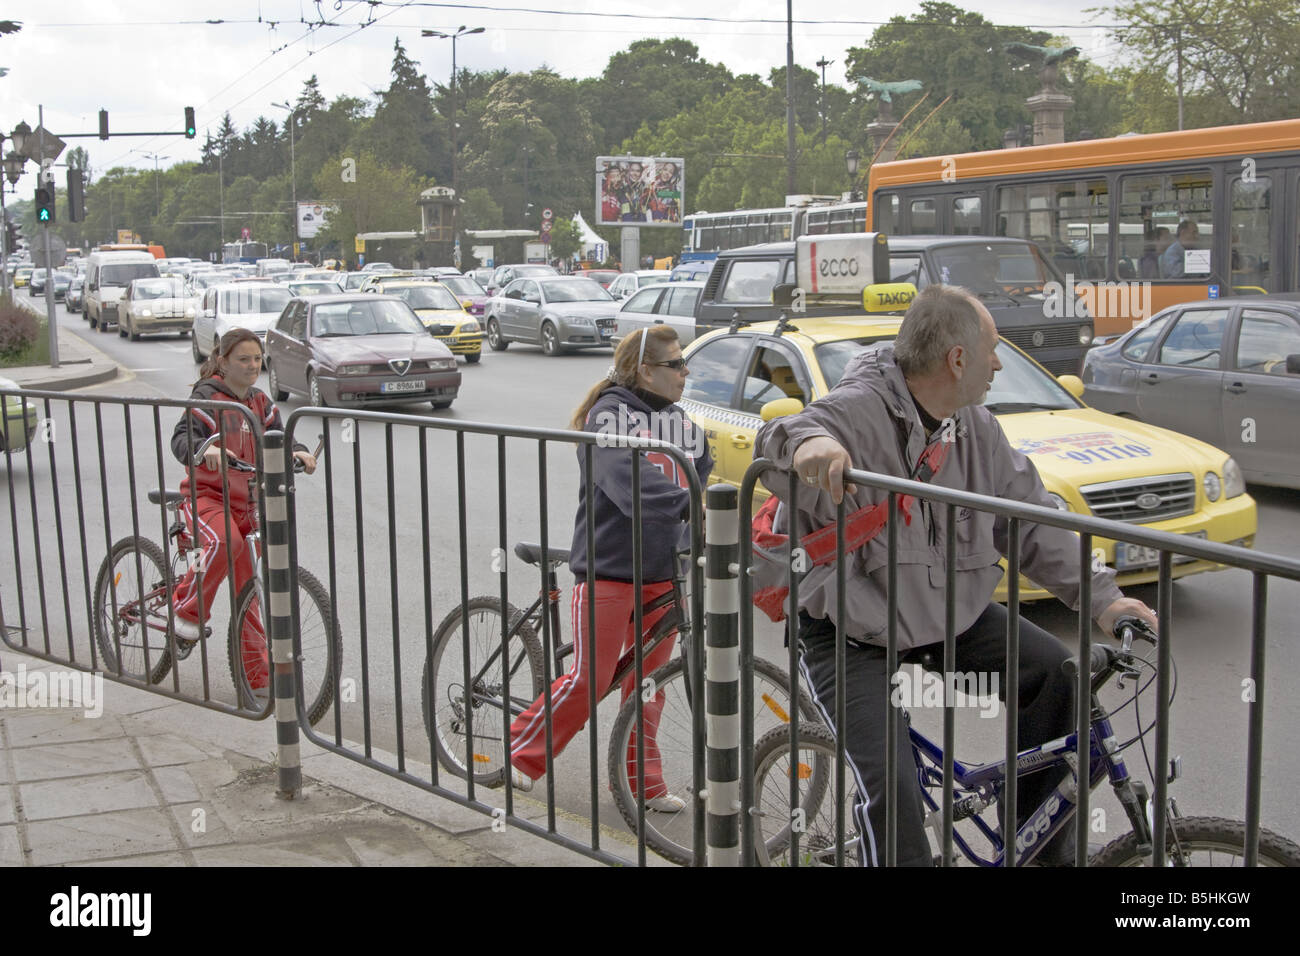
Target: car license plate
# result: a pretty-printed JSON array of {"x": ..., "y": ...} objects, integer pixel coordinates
[
  {"x": 405, "y": 385},
  {"x": 1131, "y": 556}
]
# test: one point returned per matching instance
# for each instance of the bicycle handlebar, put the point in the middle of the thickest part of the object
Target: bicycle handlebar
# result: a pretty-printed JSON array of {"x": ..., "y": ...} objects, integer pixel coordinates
[
  {"x": 238, "y": 463},
  {"x": 1106, "y": 656}
]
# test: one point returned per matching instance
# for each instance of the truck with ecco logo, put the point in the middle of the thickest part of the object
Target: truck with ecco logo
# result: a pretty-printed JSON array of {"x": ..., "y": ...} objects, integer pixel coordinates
[{"x": 1012, "y": 278}]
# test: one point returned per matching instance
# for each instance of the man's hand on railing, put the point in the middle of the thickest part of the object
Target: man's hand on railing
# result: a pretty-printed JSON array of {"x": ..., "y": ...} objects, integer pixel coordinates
[{"x": 821, "y": 462}]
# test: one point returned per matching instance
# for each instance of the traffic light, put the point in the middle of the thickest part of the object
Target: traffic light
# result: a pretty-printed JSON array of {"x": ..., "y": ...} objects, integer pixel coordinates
[
  {"x": 11, "y": 237},
  {"x": 76, "y": 196},
  {"x": 103, "y": 124},
  {"x": 190, "y": 129},
  {"x": 45, "y": 205}
]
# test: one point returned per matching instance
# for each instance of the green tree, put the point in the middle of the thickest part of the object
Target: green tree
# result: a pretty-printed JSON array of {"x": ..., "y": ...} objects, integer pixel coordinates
[
  {"x": 405, "y": 131},
  {"x": 566, "y": 238},
  {"x": 378, "y": 198},
  {"x": 1240, "y": 59},
  {"x": 481, "y": 211}
]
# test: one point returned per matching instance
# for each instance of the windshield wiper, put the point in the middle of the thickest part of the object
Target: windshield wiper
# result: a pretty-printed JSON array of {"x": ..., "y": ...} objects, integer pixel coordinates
[{"x": 996, "y": 407}]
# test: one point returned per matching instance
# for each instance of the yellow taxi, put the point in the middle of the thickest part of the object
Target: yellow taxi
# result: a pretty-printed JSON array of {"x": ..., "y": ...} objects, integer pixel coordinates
[
  {"x": 23, "y": 275},
  {"x": 439, "y": 310},
  {"x": 1090, "y": 462}
]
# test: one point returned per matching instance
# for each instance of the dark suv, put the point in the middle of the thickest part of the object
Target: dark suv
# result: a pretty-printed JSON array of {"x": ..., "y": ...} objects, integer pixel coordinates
[{"x": 1017, "y": 284}]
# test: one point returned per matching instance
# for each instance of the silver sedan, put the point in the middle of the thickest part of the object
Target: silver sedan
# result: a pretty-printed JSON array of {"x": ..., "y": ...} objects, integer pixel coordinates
[
  {"x": 559, "y": 313},
  {"x": 1226, "y": 371}
]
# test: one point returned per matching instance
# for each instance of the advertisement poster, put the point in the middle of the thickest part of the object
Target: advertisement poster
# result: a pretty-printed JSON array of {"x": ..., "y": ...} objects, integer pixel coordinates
[
  {"x": 311, "y": 216},
  {"x": 644, "y": 190}
]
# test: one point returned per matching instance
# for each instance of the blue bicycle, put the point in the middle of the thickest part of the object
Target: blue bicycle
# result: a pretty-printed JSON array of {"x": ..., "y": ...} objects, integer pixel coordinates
[{"x": 978, "y": 789}]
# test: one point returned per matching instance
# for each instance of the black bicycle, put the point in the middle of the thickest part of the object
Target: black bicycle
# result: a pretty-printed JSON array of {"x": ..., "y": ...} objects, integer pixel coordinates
[{"x": 464, "y": 697}]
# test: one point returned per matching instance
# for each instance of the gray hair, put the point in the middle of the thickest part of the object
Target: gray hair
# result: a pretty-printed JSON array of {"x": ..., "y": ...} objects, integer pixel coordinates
[{"x": 940, "y": 317}]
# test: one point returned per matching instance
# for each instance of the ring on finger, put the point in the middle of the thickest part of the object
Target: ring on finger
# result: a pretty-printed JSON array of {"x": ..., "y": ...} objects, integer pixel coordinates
[{"x": 811, "y": 479}]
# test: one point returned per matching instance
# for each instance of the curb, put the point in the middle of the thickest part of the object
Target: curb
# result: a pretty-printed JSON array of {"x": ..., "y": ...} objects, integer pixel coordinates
[{"x": 100, "y": 367}]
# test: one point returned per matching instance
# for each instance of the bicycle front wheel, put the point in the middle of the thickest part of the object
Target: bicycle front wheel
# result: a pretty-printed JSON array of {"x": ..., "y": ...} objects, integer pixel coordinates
[
  {"x": 1202, "y": 841},
  {"x": 133, "y": 592},
  {"x": 669, "y": 765},
  {"x": 462, "y": 691},
  {"x": 320, "y": 639},
  {"x": 812, "y": 819}
]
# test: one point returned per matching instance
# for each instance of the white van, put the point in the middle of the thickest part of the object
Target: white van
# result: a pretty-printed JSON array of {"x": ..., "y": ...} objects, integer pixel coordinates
[
  {"x": 272, "y": 267},
  {"x": 107, "y": 276}
]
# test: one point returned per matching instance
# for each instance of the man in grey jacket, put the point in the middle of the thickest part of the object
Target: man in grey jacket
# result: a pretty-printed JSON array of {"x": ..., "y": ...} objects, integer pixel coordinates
[{"x": 890, "y": 406}]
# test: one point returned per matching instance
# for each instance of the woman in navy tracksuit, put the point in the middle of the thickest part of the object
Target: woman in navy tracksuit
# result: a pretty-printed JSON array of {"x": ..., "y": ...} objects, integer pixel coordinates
[{"x": 637, "y": 398}]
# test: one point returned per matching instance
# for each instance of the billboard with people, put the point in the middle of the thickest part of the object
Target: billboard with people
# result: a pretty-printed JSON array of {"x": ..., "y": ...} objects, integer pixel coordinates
[{"x": 639, "y": 190}]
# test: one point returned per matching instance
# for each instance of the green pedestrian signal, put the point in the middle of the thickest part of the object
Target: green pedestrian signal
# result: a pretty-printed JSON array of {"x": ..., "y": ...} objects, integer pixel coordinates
[
  {"x": 44, "y": 204},
  {"x": 190, "y": 129}
]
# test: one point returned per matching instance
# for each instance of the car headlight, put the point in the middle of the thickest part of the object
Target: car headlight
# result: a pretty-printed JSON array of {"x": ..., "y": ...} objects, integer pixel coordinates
[
  {"x": 145, "y": 314},
  {"x": 189, "y": 312},
  {"x": 441, "y": 364},
  {"x": 1234, "y": 483},
  {"x": 1060, "y": 502},
  {"x": 353, "y": 369},
  {"x": 469, "y": 327},
  {"x": 1085, "y": 335},
  {"x": 1213, "y": 487},
  {"x": 580, "y": 320}
]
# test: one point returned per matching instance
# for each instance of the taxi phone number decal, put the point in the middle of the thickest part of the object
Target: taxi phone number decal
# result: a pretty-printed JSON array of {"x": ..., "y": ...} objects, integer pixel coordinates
[{"x": 1085, "y": 448}]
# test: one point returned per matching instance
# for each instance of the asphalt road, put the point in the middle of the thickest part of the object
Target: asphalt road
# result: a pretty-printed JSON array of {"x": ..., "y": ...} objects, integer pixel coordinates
[{"x": 376, "y": 548}]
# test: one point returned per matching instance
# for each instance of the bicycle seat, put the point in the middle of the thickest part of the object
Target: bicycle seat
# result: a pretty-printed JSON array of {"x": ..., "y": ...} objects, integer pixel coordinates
[
  {"x": 531, "y": 553},
  {"x": 166, "y": 497}
]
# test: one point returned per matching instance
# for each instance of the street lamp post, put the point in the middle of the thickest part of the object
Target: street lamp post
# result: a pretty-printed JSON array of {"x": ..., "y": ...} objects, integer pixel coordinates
[
  {"x": 851, "y": 159},
  {"x": 157, "y": 206},
  {"x": 823, "y": 63},
  {"x": 293, "y": 171},
  {"x": 455, "y": 124}
]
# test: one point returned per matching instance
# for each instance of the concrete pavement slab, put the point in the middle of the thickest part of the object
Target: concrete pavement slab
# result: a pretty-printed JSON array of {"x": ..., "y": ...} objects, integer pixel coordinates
[
  {"x": 120, "y": 833},
  {"x": 97, "y": 793},
  {"x": 73, "y": 759}
]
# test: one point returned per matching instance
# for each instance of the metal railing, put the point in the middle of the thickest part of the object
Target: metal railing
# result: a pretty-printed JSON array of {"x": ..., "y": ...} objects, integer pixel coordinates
[
  {"x": 1261, "y": 566},
  {"x": 81, "y": 479}
]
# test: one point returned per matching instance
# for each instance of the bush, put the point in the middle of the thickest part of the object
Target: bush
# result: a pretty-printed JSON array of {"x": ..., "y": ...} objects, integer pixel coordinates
[{"x": 19, "y": 330}]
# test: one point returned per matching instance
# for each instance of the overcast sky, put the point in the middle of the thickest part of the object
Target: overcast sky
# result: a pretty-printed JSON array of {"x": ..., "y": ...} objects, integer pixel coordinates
[{"x": 145, "y": 61}]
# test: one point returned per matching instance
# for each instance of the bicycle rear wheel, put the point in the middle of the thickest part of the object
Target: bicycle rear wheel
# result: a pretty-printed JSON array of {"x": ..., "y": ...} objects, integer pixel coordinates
[
  {"x": 460, "y": 722},
  {"x": 320, "y": 639},
  {"x": 670, "y": 834},
  {"x": 813, "y": 818},
  {"x": 133, "y": 592},
  {"x": 1202, "y": 841}
]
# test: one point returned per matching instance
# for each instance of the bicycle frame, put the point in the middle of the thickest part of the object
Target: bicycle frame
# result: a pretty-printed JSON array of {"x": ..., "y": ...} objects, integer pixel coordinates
[{"x": 981, "y": 784}]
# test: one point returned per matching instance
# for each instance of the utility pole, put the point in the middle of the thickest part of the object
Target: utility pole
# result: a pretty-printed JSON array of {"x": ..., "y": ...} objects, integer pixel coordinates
[
  {"x": 46, "y": 176},
  {"x": 157, "y": 207},
  {"x": 1178, "y": 47},
  {"x": 293, "y": 173},
  {"x": 823, "y": 63},
  {"x": 455, "y": 122},
  {"x": 789, "y": 98}
]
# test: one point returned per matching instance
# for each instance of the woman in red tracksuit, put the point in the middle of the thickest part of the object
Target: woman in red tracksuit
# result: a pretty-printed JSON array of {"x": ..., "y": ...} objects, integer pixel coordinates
[
  {"x": 227, "y": 376},
  {"x": 638, "y": 394}
]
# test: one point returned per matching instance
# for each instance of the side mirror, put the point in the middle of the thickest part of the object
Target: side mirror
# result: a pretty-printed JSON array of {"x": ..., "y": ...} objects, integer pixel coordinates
[
  {"x": 783, "y": 294},
  {"x": 779, "y": 408},
  {"x": 1293, "y": 364},
  {"x": 1074, "y": 385}
]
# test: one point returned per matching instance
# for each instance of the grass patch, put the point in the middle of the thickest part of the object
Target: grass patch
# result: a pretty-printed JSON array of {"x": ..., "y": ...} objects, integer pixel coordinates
[{"x": 38, "y": 353}]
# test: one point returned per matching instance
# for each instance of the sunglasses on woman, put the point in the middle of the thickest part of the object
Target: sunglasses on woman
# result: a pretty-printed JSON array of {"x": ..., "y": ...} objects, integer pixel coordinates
[{"x": 677, "y": 364}]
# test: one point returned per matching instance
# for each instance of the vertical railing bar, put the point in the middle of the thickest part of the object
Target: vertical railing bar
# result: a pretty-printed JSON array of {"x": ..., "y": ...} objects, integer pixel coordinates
[
  {"x": 593, "y": 750},
  {"x": 13, "y": 523},
  {"x": 638, "y": 654},
  {"x": 108, "y": 536},
  {"x": 504, "y": 577},
  {"x": 1083, "y": 703},
  {"x": 195, "y": 545},
  {"x": 1011, "y": 726},
  {"x": 891, "y": 668},
  {"x": 36, "y": 543},
  {"x": 1255, "y": 739},
  {"x": 400, "y": 733},
  {"x": 135, "y": 532},
  {"x": 58, "y": 533},
  {"x": 1164, "y": 659},
  {"x": 550, "y": 639},
  {"x": 792, "y": 652},
  {"x": 81, "y": 532},
  {"x": 327, "y": 436},
  {"x": 426, "y": 677},
  {"x": 359, "y": 507},
  {"x": 841, "y": 678},
  {"x": 949, "y": 667}
]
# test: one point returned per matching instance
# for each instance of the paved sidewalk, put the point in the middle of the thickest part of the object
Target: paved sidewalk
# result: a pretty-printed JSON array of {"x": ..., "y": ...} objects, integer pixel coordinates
[
  {"x": 80, "y": 363},
  {"x": 155, "y": 782}
]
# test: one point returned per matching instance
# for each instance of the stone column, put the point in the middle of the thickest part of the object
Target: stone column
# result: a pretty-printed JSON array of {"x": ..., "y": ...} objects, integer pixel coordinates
[
  {"x": 1049, "y": 116},
  {"x": 877, "y": 133}
]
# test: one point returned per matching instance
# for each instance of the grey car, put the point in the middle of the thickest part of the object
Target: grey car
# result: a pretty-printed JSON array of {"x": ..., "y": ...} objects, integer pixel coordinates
[
  {"x": 672, "y": 303},
  {"x": 557, "y": 313},
  {"x": 1226, "y": 371}
]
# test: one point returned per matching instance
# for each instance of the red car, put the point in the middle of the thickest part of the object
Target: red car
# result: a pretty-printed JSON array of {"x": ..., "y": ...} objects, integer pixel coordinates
[{"x": 603, "y": 276}]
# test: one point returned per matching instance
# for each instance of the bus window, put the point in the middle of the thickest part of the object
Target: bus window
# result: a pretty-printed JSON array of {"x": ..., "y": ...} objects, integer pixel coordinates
[
  {"x": 1248, "y": 252},
  {"x": 966, "y": 219},
  {"x": 923, "y": 218},
  {"x": 782, "y": 227},
  {"x": 889, "y": 214},
  {"x": 1070, "y": 220},
  {"x": 1157, "y": 204},
  {"x": 757, "y": 228}
]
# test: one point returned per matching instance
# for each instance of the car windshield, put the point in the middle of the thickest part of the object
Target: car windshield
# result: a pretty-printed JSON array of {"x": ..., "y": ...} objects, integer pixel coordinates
[
  {"x": 427, "y": 297},
  {"x": 992, "y": 269},
  {"x": 254, "y": 298},
  {"x": 462, "y": 285},
  {"x": 533, "y": 271},
  {"x": 378, "y": 317},
  {"x": 157, "y": 289},
  {"x": 313, "y": 288},
  {"x": 1020, "y": 386},
  {"x": 126, "y": 273},
  {"x": 575, "y": 290},
  {"x": 354, "y": 280}
]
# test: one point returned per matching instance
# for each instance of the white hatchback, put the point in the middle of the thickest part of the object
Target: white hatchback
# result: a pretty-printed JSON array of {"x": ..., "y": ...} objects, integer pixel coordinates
[{"x": 252, "y": 304}]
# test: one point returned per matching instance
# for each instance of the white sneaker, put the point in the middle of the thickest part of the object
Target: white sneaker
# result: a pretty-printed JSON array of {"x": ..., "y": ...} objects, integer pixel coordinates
[
  {"x": 187, "y": 630},
  {"x": 668, "y": 803},
  {"x": 520, "y": 781}
]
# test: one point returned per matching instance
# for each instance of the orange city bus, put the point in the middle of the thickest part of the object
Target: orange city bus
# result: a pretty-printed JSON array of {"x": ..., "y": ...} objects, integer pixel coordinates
[{"x": 1105, "y": 211}]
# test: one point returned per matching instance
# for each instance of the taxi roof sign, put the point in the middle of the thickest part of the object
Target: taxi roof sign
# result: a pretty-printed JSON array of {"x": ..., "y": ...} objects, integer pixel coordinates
[
  {"x": 888, "y": 297},
  {"x": 841, "y": 265}
]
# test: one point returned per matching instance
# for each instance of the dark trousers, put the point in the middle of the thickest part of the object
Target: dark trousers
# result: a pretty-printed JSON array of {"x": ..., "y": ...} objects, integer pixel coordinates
[{"x": 1046, "y": 713}]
